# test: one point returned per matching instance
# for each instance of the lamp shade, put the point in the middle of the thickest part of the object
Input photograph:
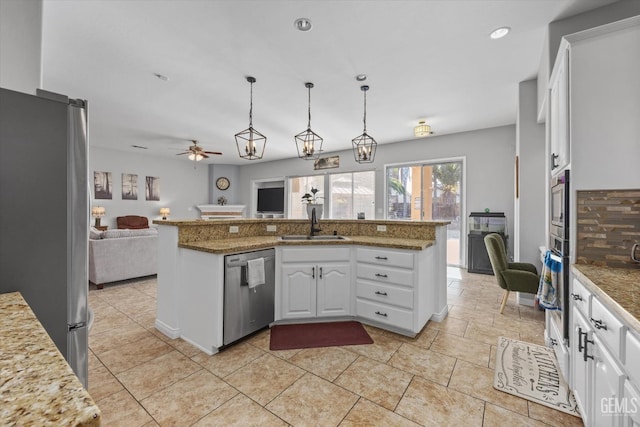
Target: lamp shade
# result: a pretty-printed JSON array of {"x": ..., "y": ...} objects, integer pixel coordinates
[
  {"x": 165, "y": 212},
  {"x": 97, "y": 212}
]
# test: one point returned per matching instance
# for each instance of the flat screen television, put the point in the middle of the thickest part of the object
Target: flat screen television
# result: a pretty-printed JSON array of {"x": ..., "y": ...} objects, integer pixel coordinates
[{"x": 271, "y": 199}]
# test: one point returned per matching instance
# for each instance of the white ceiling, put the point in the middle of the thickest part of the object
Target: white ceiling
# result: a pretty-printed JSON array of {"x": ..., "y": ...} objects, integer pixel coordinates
[{"x": 428, "y": 60}]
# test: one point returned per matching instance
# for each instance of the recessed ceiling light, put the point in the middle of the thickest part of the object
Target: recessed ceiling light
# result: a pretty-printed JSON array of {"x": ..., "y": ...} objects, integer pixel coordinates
[
  {"x": 499, "y": 33},
  {"x": 161, "y": 77},
  {"x": 361, "y": 77},
  {"x": 302, "y": 24}
]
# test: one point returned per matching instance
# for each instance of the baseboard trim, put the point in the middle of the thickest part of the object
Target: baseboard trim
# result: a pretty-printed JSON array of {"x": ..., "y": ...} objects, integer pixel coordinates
[
  {"x": 172, "y": 333},
  {"x": 441, "y": 315}
]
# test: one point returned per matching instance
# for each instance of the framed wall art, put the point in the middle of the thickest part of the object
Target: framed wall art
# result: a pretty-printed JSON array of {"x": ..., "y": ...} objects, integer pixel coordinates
[
  {"x": 102, "y": 185},
  {"x": 129, "y": 186}
]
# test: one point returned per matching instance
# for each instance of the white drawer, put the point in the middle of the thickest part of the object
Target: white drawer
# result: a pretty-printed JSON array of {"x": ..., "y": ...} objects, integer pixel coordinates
[
  {"x": 385, "y": 257},
  {"x": 385, "y": 274},
  {"x": 385, "y": 294},
  {"x": 382, "y": 313},
  {"x": 314, "y": 254},
  {"x": 581, "y": 298},
  {"x": 632, "y": 356},
  {"x": 607, "y": 327}
]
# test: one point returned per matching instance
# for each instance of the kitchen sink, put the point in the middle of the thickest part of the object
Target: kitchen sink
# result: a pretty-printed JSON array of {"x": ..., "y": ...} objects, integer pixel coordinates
[{"x": 295, "y": 237}]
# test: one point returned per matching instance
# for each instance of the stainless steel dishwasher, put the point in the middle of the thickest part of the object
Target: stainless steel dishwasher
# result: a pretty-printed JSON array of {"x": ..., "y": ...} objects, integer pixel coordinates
[{"x": 247, "y": 310}]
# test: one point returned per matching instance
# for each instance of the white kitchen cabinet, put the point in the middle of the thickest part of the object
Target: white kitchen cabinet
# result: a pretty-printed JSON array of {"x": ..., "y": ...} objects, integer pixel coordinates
[
  {"x": 581, "y": 369},
  {"x": 559, "y": 346},
  {"x": 391, "y": 286},
  {"x": 314, "y": 282},
  {"x": 608, "y": 380},
  {"x": 558, "y": 120},
  {"x": 602, "y": 385},
  {"x": 630, "y": 406},
  {"x": 299, "y": 291}
]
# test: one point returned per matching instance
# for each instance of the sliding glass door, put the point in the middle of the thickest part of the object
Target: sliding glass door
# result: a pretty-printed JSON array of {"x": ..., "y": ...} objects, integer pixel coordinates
[{"x": 429, "y": 191}]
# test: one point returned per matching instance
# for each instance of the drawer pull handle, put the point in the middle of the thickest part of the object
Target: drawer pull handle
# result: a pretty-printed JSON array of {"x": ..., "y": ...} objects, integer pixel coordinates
[
  {"x": 599, "y": 324},
  {"x": 381, "y": 293},
  {"x": 313, "y": 272},
  {"x": 382, "y": 258},
  {"x": 381, "y": 314},
  {"x": 321, "y": 272},
  {"x": 380, "y": 275},
  {"x": 553, "y": 341},
  {"x": 576, "y": 297}
]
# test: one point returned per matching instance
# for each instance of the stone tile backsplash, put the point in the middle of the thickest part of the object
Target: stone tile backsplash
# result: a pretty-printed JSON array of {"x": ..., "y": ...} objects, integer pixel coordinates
[{"x": 608, "y": 226}]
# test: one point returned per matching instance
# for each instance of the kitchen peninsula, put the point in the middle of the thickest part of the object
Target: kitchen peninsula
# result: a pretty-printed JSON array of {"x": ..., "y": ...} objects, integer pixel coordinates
[{"x": 390, "y": 274}]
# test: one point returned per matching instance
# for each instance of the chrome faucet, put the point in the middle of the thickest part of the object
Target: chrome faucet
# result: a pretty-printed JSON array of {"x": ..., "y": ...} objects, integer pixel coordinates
[{"x": 314, "y": 221}]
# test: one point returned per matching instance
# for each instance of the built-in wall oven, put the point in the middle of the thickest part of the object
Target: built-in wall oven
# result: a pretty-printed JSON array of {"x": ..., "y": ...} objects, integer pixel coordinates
[{"x": 559, "y": 246}]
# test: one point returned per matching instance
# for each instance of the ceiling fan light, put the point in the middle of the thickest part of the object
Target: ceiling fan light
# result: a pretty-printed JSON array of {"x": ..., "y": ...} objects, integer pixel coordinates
[
  {"x": 199, "y": 157},
  {"x": 192, "y": 156}
]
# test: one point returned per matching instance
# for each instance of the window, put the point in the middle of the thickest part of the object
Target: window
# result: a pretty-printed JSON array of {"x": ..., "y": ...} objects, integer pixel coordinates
[{"x": 349, "y": 194}]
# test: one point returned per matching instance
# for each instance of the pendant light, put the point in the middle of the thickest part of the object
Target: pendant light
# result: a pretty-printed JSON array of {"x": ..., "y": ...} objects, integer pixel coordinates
[
  {"x": 364, "y": 146},
  {"x": 308, "y": 143},
  {"x": 250, "y": 142}
]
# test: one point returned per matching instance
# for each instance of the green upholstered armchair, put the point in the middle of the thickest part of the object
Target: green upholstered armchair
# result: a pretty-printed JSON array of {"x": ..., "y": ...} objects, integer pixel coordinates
[{"x": 511, "y": 276}]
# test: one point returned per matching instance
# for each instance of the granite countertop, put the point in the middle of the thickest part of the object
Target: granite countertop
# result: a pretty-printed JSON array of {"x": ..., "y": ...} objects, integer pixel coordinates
[
  {"x": 618, "y": 288},
  {"x": 223, "y": 246},
  {"x": 37, "y": 386}
]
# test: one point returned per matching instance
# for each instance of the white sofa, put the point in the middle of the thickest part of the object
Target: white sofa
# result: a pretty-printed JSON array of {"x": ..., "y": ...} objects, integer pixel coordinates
[{"x": 122, "y": 254}]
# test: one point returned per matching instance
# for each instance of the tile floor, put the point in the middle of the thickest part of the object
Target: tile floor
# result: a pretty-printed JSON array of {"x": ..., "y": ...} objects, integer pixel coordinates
[{"x": 444, "y": 376}]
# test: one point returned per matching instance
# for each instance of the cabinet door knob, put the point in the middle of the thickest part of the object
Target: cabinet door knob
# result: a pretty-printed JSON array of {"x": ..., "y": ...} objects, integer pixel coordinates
[
  {"x": 380, "y": 275},
  {"x": 598, "y": 324},
  {"x": 382, "y": 257},
  {"x": 381, "y": 293},
  {"x": 381, "y": 314}
]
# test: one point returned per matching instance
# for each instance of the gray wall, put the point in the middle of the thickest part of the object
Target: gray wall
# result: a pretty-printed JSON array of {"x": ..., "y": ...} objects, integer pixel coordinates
[
  {"x": 183, "y": 184},
  {"x": 489, "y": 153},
  {"x": 530, "y": 229},
  {"x": 21, "y": 45},
  {"x": 232, "y": 193}
]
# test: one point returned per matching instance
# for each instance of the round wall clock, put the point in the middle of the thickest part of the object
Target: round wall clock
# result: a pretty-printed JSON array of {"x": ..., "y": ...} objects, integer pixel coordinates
[{"x": 222, "y": 183}]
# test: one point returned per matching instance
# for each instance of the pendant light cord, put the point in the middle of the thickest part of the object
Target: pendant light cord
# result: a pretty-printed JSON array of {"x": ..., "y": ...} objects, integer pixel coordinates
[
  {"x": 251, "y": 107},
  {"x": 309, "y": 122},
  {"x": 365, "y": 111}
]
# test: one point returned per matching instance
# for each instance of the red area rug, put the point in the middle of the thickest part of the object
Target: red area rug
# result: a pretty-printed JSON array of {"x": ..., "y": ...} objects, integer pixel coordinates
[{"x": 309, "y": 335}]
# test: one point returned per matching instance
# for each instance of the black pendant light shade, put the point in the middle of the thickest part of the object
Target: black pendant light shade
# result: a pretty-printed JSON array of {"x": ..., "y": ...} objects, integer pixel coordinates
[
  {"x": 308, "y": 143},
  {"x": 250, "y": 142},
  {"x": 364, "y": 146}
]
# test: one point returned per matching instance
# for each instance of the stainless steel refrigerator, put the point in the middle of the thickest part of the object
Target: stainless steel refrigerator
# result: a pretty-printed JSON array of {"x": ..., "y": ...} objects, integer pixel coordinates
[{"x": 44, "y": 214}]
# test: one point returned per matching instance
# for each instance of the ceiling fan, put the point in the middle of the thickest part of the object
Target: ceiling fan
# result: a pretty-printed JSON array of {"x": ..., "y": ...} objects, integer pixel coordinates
[{"x": 197, "y": 153}]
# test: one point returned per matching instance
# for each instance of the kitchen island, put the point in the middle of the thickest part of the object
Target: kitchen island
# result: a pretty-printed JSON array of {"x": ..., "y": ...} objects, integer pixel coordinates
[
  {"x": 37, "y": 386},
  {"x": 400, "y": 296}
]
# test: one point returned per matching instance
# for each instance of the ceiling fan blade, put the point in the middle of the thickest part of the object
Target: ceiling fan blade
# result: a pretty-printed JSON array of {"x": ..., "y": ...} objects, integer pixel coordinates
[
  {"x": 213, "y": 152},
  {"x": 204, "y": 155},
  {"x": 180, "y": 154}
]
